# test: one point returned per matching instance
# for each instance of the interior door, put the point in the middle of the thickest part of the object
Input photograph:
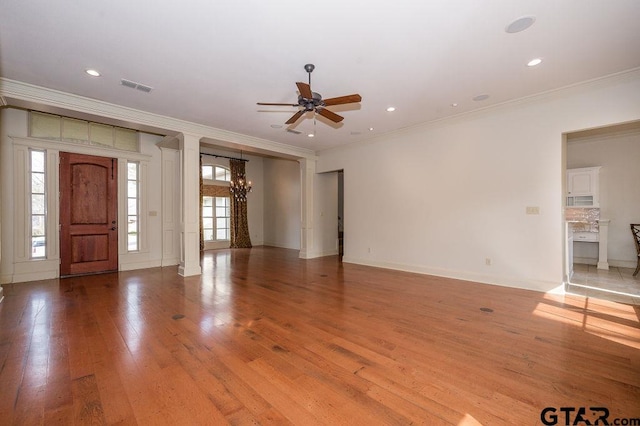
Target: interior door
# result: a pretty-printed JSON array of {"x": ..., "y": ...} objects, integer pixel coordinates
[{"x": 88, "y": 214}]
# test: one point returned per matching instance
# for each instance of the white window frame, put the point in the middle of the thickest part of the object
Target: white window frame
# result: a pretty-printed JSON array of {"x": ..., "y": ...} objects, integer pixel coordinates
[
  {"x": 43, "y": 194},
  {"x": 214, "y": 218},
  {"x": 227, "y": 173},
  {"x": 136, "y": 200}
]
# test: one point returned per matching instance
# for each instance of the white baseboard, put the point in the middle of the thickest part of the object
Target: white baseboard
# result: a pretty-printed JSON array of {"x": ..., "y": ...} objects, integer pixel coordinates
[
  {"x": 612, "y": 262},
  {"x": 535, "y": 285},
  {"x": 189, "y": 272},
  {"x": 313, "y": 255},
  {"x": 170, "y": 262},
  {"x": 281, "y": 245},
  {"x": 139, "y": 265}
]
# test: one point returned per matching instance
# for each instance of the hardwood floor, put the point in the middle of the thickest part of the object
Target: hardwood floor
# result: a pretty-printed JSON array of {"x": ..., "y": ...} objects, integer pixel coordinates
[{"x": 263, "y": 337}]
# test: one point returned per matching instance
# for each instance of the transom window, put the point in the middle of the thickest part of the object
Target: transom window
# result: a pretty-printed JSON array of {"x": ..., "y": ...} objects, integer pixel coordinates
[{"x": 216, "y": 173}]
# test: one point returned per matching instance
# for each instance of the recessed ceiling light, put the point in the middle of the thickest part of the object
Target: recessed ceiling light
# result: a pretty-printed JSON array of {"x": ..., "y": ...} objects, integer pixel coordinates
[
  {"x": 92, "y": 72},
  {"x": 481, "y": 98},
  {"x": 534, "y": 62},
  {"x": 276, "y": 126},
  {"x": 391, "y": 109},
  {"x": 311, "y": 135},
  {"x": 520, "y": 24},
  {"x": 453, "y": 105},
  {"x": 355, "y": 133},
  {"x": 371, "y": 129}
]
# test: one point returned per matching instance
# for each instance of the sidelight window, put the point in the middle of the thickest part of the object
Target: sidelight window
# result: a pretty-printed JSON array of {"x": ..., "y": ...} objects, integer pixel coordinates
[
  {"x": 38, "y": 204},
  {"x": 133, "y": 204}
]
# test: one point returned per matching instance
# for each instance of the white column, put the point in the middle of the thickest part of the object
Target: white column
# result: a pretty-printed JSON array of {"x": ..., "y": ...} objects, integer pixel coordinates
[
  {"x": 171, "y": 190},
  {"x": 190, "y": 205},
  {"x": 603, "y": 262},
  {"x": 307, "y": 174}
]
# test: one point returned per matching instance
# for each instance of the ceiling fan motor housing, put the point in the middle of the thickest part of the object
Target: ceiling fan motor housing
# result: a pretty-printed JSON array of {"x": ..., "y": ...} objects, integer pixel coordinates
[{"x": 311, "y": 104}]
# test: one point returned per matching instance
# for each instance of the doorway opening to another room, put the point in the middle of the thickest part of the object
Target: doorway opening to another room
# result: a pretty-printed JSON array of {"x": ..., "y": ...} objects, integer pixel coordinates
[{"x": 601, "y": 201}]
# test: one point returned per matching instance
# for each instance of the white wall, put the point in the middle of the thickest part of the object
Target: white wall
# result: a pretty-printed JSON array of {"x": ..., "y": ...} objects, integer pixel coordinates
[
  {"x": 619, "y": 155},
  {"x": 443, "y": 198},
  {"x": 326, "y": 215},
  {"x": 282, "y": 203}
]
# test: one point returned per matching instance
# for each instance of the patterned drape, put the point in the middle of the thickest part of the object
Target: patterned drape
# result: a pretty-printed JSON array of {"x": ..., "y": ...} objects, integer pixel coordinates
[
  {"x": 239, "y": 224},
  {"x": 201, "y": 195}
]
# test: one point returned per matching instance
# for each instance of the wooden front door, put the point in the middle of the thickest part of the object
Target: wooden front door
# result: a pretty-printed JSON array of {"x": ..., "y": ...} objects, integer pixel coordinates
[{"x": 88, "y": 214}]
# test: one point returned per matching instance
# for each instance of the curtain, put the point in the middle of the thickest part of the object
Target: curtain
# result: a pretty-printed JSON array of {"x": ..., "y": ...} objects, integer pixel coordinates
[
  {"x": 201, "y": 195},
  {"x": 239, "y": 224}
]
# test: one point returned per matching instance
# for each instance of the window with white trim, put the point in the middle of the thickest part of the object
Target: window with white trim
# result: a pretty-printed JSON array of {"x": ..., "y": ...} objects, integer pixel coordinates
[
  {"x": 214, "y": 172},
  {"x": 222, "y": 173},
  {"x": 37, "y": 192},
  {"x": 133, "y": 201},
  {"x": 215, "y": 218}
]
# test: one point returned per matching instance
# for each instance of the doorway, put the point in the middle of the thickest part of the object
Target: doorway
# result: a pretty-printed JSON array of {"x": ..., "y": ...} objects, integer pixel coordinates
[
  {"x": 615, "y": 149},
  {"x": 341, "y": 214},
  {"x": 88, "y": 214}
]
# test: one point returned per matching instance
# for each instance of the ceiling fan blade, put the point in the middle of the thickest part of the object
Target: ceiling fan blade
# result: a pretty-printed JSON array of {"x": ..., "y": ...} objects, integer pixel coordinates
[
  {"x": 330, "y": 115},
  {"x": 295, "y": 117},
  {"x": 343, "y": 100},
  {"x": 275, "y": 104},
  {"x": 305, "y": 90}
]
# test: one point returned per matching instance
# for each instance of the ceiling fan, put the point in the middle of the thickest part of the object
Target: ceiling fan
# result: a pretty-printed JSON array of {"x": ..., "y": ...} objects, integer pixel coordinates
[{"x": 312, "y": 101}]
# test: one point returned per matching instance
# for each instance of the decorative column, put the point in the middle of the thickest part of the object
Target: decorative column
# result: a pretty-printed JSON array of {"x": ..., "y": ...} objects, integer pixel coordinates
[
  {"x": 603, "y": 262},
  {"x": 190, "y": 205},
  {"x": 171, "y": 228},
  {"x": 307, "y": 174}
]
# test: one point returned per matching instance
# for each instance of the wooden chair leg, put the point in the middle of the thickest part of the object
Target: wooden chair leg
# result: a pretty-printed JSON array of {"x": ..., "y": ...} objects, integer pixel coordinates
[{"x": 637, "y": 268}]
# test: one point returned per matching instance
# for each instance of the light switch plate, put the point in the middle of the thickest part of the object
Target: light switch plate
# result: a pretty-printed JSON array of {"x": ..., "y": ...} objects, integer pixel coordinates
[{"x": 533, "y": 210}]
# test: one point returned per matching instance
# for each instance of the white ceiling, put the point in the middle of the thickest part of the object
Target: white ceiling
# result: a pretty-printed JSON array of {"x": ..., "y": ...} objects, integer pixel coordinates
[{"x": 210, "y": 61}]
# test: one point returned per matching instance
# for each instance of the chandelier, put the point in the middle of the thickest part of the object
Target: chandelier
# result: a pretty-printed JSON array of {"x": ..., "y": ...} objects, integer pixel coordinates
[{"x": 240, "y": 187}]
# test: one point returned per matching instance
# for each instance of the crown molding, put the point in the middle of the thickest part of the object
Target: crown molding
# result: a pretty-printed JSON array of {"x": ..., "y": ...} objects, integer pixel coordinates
[{"x": 17, "y": 90}]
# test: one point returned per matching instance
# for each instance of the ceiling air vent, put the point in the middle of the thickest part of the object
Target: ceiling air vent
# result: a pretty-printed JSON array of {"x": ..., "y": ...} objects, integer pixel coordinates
[
  {"x": 133, "y": 85},
  {"x": 295, "y": 132}
]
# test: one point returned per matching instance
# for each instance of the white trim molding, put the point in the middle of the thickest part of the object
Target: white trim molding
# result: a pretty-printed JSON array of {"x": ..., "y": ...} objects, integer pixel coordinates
[{"x": 17, "y": 92}]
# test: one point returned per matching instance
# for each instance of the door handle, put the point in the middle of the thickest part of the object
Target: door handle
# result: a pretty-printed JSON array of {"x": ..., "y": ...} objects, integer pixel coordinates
[{"x": 113, "y": 228}]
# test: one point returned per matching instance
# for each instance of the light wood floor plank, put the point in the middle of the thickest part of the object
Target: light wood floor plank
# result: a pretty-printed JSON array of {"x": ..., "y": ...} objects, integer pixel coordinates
[{"x": 263, "y": 337}]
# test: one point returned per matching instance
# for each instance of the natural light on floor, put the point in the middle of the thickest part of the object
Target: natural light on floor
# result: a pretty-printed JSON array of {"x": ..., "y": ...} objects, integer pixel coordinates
[
  {"x": 616, "y": 322},
  {"x": 468, "y": 420}
]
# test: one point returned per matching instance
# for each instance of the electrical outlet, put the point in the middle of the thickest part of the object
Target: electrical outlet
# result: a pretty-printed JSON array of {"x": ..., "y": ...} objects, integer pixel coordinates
[{"x": 487, "y": 261}]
